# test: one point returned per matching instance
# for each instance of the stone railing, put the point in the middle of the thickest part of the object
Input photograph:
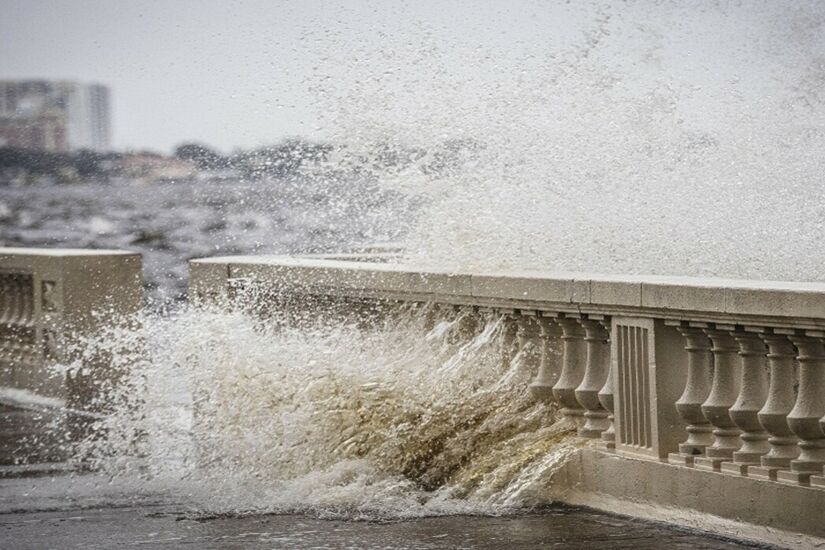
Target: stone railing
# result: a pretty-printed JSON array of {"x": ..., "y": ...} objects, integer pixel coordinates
[
  {"x": 49, "y": 299},
  {"x": 724, "y": 377}
]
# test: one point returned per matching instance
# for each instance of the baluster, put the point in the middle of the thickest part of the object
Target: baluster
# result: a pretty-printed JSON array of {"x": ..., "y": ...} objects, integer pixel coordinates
[
  {"x": 17, "y": 290},
  {"x": 697, "y": 389},
  {"x": 527, "y": 335},
  {"x": 803, "y": 420},
  {"x": 819, "y": 480},
  {"x": 597, "y": 365},
  {"x": 467, "y": 325},
  {"x": 606, "y": 399},
  {"x": 752, "y": 396},
  {"x": 716, "y": 407},
  {"x": 431, "y": 313},
  {"x": 572, "y": 370},
  {"x": 774, "y": 415},
  {"x": 507, "y": 343},
  {"x": 551, "y": 359}
]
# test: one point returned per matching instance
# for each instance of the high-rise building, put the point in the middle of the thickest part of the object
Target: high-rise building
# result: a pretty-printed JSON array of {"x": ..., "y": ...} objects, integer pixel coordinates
[{"x": 54, "y": 115}]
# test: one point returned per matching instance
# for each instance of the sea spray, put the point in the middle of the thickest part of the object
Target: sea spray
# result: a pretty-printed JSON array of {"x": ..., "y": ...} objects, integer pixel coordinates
[
  {"x": 406, "y": 412},
  {"x": 619, "y": 137}
]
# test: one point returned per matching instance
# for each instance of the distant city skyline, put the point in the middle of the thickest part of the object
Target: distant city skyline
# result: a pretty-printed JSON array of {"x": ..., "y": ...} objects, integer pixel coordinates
[
  {"x": 55, "y": 115},
  {"x": 177, "y": 71}
]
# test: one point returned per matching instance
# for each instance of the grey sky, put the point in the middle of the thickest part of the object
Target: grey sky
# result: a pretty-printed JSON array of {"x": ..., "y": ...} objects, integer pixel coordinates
[
  {"x": 230, "y": 73},
  {"x": 179, "y": 70},
  {"x": 245, "y": 73}
]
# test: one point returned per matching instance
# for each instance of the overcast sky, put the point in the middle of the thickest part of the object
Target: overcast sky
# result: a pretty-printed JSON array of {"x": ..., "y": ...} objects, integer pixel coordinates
[
  {"x": 230, "y": 73},
  {"x": 248, "y": 72},
  {"x": 178, "y": 69}
]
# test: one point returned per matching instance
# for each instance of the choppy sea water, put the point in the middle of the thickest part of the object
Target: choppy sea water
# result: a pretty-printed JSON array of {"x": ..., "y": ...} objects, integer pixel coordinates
[{"x": 174, "y": 222}]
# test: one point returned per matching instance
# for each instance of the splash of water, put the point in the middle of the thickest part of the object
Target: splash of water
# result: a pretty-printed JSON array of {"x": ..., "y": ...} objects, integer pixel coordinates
[
  {"x": 632, "y": 137},
  {"x": 329, "y": 415}
]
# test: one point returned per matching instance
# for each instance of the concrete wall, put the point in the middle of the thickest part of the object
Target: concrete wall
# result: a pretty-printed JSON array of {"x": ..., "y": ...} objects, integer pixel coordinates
[
  {"x": 734, "y": 506},
  {"x": 685, "y": 298},
  {"x": 672, "y": 338},
  {"x": 50, "y": 299}
]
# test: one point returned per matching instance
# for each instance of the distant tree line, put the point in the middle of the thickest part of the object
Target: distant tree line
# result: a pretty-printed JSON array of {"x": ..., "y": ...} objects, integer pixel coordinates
[
  {"x": 285, "y": 159},
  {"x": 84, "y": 164}
]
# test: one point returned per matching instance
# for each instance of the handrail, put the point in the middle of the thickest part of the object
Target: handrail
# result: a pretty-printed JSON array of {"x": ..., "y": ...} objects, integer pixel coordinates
[{"x": 793, "y": 304}]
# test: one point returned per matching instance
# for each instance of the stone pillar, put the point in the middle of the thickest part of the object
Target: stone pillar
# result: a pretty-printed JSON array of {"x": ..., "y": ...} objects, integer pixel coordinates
[
  {"x": 551, "y": 359},
  {"x": 697, "y": 389},
  {"x": 572, "y": 372},
  {"x": 529, "y": 343},
  {"x": 753, "y": 393},
  {"x": 597, "y": 365},
  {"x": 803, "y": 420},
  {"x": 606, "y": 399},
  {"x": 467, "y": 324},
  {"x": 774, "y": 415},
  {"x": 507, "y": 341},
  {"x": 723, "y": 394}
]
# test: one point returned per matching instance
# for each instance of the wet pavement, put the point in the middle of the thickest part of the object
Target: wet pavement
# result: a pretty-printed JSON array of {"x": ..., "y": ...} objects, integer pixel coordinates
[{"x": 164, "y": 525}]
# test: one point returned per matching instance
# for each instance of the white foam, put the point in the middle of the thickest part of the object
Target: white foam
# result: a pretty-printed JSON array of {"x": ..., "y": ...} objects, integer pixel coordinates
[{"x": 325, "y": 417}]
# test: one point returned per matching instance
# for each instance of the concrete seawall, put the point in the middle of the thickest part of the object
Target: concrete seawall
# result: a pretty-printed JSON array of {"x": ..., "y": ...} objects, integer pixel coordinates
[{"x": 680, "y": 385}]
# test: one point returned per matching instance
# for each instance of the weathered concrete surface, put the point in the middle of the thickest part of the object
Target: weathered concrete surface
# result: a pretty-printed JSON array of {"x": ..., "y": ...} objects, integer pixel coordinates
[
  {"x": 732, "y": 505},
  {"x": 799, "y": 303},
  {"x": 50, "y": 299}
]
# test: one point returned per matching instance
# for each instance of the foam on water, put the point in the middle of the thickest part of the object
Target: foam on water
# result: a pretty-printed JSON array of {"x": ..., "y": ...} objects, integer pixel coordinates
[{"x": 334, "y": 417}]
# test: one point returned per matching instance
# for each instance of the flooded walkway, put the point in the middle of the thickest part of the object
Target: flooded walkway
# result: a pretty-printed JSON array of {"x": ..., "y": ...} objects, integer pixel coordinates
[{"x": 30, "y": 521}]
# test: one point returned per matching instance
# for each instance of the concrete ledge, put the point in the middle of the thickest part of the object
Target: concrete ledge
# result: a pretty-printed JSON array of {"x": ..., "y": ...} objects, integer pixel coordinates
[
  {"x": 730, "y": 505},
  {"x": 64, "y": 252},
  {"x": 50, "y": 299},
  {"x": 799, "y": 304}
]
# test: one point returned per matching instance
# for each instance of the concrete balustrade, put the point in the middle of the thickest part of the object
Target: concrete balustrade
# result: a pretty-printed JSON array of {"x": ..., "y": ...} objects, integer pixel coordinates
[
  {"x": 509, "y": 337},
  {"x": 50, "y": 300},
  {"x": 690, "y": 386},
  {"x": 697, "y": 388},
  {"x": 529, "y": 339},
  {"x": 597, "y": 365},
  {"x": 572, "y": 373},
  {"x": 551, "y": 358},
  {"x": 720, "y": 401},
  {"x": 774, "y": 414},
  {"x": 468, "y": 322},
  {"x": 608, "y": 436},
  {"x": 803, "y": 420},
  {"x": 753, "y": 393}
]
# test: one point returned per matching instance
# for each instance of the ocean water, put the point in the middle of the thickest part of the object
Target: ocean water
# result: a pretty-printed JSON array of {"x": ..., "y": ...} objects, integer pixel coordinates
[{"x": 174, "y": 222}]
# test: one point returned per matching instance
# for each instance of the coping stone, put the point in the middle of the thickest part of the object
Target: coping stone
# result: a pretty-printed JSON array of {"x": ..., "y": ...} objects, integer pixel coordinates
[{"x": 701, "y": 295}]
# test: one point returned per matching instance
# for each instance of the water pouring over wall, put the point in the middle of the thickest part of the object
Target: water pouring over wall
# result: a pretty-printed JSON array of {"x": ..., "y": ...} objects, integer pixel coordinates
[{"x": 421, "y": 413}]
